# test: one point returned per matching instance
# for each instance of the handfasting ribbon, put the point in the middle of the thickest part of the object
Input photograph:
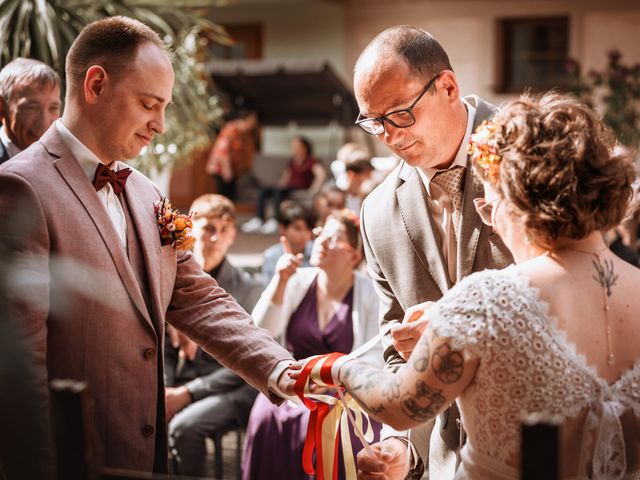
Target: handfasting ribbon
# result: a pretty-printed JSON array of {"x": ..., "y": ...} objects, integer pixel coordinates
[{"x": 325, "y": 422}]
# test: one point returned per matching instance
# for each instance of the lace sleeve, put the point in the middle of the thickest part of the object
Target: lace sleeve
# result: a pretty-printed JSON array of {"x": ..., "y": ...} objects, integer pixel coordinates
[{"x": 464, "y": 315}]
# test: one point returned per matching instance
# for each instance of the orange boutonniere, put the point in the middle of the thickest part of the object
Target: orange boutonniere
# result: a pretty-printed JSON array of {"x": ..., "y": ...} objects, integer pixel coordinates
[
  {"x": 484, "y": 152},
  {"x": 175, "y": 227}
]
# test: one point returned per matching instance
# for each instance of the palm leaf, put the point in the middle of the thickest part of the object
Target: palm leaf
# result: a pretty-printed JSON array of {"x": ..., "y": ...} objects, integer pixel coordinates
[{"x": 45, "y": 29}]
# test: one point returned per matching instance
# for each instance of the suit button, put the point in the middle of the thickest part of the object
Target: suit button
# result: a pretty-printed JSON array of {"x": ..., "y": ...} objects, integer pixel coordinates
[
  {"x": 147, "y": 431},
  {"x": 149, "y": 353}
]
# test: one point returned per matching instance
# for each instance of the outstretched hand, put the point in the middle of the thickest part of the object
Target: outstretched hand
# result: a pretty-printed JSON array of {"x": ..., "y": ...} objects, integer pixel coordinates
[{"x": 405, "y": 336}]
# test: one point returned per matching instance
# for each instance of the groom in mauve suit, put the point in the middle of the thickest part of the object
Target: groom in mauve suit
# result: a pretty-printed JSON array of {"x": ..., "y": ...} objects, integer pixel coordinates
[
  {"x": 421, "y": 231},
  {"x": 101, "y": 282}
]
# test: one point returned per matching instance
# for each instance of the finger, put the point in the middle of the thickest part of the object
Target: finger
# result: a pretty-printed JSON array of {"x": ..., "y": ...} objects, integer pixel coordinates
[
  {"x": 405, "y": 332},
  {"x": 371, "y": 476},
  {"x": 413, "y": 316},
  {"x": 286, "y": 246},
  {"x": 405, "y": 345},
  {"x": 405, "y": 355},
  {"x": 371, "y": 464}
]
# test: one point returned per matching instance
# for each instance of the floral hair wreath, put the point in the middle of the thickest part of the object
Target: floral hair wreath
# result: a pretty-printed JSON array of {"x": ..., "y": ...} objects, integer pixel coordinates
[{"x": 484, "y": 152}]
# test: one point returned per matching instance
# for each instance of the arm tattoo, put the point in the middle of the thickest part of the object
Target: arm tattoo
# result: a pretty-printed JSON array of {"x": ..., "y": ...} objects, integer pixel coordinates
[
  {"x": 424, "y": 404},
  {"x": 421, "y": 362},
  {"x": 606, "y": 276},
  {"x": 447, "y": 364}
]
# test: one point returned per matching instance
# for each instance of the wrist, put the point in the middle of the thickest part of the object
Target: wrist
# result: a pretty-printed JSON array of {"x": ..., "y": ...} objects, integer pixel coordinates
[{"x": 184, "y": 395}]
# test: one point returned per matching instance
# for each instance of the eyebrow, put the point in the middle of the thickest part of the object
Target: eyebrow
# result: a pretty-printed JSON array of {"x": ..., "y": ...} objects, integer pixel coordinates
[{"x": 154, "y": 96}]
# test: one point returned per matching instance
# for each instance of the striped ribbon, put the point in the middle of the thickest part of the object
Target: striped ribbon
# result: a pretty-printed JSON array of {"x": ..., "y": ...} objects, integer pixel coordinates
[{"x": 330, "y": 415}]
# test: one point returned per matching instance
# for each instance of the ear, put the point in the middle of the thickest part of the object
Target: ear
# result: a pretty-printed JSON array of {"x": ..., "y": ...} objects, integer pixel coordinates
[
  {"x": 94, "y": 83},
  {"x": 448, "y": 83},
  {"x": 356, "y": 258},
  {"x": 2, "y": 111}
]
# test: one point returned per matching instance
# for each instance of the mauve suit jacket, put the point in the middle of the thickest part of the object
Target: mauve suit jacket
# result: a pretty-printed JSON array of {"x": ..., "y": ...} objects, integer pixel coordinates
[
  {"x": 402, "y": 251},
  {"x": 88, "y": 318}
]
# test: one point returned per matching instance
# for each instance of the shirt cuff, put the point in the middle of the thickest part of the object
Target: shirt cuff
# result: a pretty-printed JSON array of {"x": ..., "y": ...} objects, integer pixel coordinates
[{"x": 274, "y": 376}]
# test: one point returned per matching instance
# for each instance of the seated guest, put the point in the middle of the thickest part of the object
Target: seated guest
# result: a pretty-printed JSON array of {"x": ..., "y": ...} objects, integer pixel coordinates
[
  {"x": 295, "y": 223},
  {"x": 203, "y": 397},
  {"x": 29, "y": 104},
  {"x": 328, "y": 307},
  {"x": 552, "y": 337},
  {"x": 329, "y": 199},
  {"x": 303, "y": 172},
  {"x": 359, "y": 171}
]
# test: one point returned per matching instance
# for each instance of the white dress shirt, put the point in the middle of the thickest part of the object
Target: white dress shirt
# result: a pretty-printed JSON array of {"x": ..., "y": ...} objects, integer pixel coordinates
[
  {"x": 440, "y": 203},
  {"x": 89, "y": 162},
  {"x": 12, "y": 149}
]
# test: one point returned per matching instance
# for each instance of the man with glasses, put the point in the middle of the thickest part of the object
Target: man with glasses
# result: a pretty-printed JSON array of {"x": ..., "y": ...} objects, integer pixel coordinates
[{"x": 420, "y": 230}]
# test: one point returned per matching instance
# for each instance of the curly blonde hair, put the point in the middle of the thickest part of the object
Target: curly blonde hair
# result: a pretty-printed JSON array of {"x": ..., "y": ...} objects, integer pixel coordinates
[{"x": 559, "y": 168}]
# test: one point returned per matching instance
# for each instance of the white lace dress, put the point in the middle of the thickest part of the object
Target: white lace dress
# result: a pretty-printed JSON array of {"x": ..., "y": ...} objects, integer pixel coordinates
[{"x": 527, "y": 366}]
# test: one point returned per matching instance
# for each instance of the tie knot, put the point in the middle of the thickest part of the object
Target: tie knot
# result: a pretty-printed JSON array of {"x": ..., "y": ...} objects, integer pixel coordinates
[
  {"x": 450, "y": 180},
  {"x": 105, "y": 175}
]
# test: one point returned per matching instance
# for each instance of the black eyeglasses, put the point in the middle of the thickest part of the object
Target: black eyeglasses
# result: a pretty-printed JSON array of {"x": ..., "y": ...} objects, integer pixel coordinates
[{"x": 398, "y": 118}]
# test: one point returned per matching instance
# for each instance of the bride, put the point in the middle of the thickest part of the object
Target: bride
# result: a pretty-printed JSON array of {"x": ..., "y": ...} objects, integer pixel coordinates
[{"x": 554, "y": 335}]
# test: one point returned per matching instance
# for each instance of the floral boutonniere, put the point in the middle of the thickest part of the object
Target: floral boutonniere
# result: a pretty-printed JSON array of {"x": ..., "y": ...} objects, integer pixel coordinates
[{"x": 175, "y": 227}]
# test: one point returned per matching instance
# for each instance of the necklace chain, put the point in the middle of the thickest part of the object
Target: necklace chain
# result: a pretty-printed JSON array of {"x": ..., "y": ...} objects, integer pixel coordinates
[{"x": 606, "y": 292}]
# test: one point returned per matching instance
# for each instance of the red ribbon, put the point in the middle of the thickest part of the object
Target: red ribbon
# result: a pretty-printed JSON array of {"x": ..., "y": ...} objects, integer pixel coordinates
[{"x": 319, "y": 412}]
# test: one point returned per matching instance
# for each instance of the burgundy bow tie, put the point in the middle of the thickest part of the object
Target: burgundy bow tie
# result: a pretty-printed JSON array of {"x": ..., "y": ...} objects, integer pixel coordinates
[{"x": 105, "y": 175}]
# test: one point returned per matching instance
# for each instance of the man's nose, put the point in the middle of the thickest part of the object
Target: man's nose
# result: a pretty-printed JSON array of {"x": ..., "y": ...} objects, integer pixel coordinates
[
  {"x": 390, "y": 134},
  {"x": 157, "y": 125},
  {"x": 213, "y": 238}
]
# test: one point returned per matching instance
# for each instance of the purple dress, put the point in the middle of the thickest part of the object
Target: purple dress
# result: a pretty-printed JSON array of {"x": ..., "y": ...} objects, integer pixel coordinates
[{"x": 275, "y": 435}]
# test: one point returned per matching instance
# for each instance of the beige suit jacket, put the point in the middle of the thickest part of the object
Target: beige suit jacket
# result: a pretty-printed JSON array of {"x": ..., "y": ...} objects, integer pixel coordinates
[
  {"x": 402, "y": 251},
  {"x": 88, "y": 318}
]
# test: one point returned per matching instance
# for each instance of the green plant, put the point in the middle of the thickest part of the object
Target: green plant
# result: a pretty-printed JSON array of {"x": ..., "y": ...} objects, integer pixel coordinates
[
  {"x": 617, "y": 90},
  {"x": 45, "y": 29}
]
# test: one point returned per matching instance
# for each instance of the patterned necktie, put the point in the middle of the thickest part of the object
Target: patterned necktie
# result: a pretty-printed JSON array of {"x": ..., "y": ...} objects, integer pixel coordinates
[
  {"x": 105, "y": 175},
  {"x": 451, "y": 181}
]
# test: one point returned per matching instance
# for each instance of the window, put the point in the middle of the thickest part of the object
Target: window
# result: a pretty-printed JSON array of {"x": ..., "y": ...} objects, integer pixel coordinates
[
  {"x": 247, "y": 43},
  {"x": 533, "y": 53}
]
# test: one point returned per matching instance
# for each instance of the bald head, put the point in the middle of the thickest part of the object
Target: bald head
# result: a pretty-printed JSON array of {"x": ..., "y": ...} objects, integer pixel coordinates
[{"x": 411, "y": 46}]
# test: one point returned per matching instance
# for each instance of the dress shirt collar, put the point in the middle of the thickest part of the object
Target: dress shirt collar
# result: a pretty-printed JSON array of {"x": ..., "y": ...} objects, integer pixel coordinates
[
  {"x": 88, "y": 160},
  {"x": 12, "y": 148},
  {"x": 461, "y": 157}
]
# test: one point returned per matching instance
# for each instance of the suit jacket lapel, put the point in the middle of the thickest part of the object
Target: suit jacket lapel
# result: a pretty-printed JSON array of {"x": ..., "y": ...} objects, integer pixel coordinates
[
  {"x": 75, "y": 177},
  {"x": 471, "y": 222},
  {"x": 145, "y": 224},
  {"x": 414, "y": 208}
]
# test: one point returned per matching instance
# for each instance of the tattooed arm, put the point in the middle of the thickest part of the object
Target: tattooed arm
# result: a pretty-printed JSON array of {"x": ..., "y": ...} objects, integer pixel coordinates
[{"x": 432, "y": 378}]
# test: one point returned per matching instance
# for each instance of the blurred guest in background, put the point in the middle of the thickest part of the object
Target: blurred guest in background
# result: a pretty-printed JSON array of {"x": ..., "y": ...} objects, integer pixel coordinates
[
  {"x": 202, "y": 396},
  {"x": 233, "y": 152},
  {"x": 330, "y": 199},
  {"x": 29, "y": 104},
  {"x": 303, "y": 172},
  {"x": 326, "y": 308},
  {"x": 295, "y": 223}
]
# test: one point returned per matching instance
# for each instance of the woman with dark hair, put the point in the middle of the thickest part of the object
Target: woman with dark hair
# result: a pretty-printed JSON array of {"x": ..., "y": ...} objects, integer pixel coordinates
[
  {"x": 554, "y": 336},
  {"x": 303, "y": 172}
]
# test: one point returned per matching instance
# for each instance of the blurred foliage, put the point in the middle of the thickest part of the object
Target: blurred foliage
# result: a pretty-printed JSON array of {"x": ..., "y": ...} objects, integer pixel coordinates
[
  {"x": 45, "y": 29},
  {"x": 616, "y": 89}
]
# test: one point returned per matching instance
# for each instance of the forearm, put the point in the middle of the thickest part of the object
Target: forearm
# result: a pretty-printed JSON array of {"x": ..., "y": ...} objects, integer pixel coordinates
[
  {"x": 389, "y": 399},
  {"x": 278, "y": 295}
]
